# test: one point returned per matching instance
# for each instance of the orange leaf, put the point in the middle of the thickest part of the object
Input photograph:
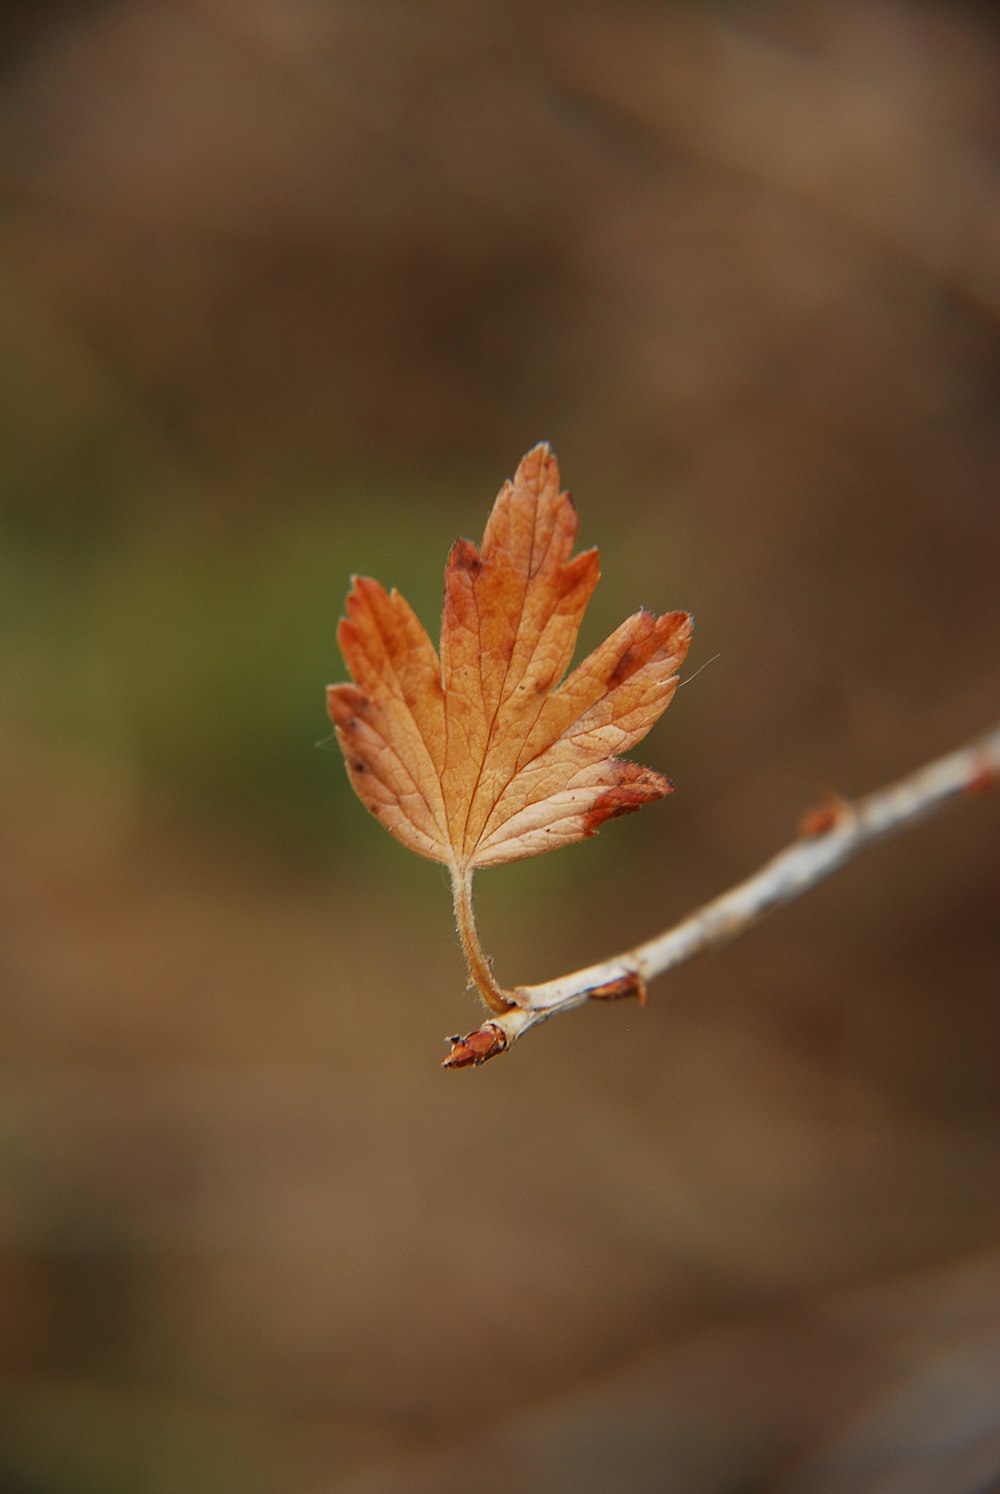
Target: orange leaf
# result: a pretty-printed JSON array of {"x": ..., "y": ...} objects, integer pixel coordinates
[{"x": 488, "y": 754}]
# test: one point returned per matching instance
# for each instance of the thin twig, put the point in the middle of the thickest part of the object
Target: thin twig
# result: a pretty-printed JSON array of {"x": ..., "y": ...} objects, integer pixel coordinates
[{"x": 829, "y": 837}]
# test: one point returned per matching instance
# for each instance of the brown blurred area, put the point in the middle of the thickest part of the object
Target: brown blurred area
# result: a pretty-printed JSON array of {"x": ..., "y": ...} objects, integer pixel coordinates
[{"x": 286, "y": 289}]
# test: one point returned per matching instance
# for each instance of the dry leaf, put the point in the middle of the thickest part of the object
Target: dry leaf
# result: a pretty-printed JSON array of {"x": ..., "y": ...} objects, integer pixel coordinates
[
  {"x": 488, "y": 754},
  {"x": 483, "y": 756}
]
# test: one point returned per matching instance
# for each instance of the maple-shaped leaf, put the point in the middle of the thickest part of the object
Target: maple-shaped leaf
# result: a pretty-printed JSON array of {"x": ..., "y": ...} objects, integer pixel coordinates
[{"x": 487, "y": 753}]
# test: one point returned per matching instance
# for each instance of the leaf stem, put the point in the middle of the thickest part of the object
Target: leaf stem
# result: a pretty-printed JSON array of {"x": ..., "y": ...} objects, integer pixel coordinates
[{"x": 480, "y": 969}]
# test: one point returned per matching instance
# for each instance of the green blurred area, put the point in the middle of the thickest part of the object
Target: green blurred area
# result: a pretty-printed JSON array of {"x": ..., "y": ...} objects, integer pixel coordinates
[{"x": 195, "y": 662}]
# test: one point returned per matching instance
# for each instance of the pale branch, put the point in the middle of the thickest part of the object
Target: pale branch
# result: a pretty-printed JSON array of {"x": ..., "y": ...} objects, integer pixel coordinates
[{"x": 829, "y": 837}]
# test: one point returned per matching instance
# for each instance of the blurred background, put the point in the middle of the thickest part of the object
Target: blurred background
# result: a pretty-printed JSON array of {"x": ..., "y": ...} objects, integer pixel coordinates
[{"x": 286, "y": 289}]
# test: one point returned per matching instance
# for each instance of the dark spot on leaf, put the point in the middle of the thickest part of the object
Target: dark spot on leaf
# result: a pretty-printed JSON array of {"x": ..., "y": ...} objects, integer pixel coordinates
[
  {"x": 626, "y": 665},
  {"x": 635, "y": 787},
  {"x": 466, "y": 557}
]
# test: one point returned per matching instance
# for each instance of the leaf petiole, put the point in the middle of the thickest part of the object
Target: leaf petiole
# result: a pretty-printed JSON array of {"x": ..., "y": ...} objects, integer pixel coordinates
[{"x": 496, "y": 998}]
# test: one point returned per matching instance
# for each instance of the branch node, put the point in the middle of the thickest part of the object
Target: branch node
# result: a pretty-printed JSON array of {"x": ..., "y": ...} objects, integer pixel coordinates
[
  {"x": 832, "y": 812},
  {"x": 475, "y": 1048},
  {"x": 985, "y": 777},
  {"x": 629, "y": 984}
]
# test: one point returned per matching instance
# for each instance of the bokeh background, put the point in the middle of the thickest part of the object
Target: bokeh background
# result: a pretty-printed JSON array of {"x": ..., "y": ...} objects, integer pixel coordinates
[{"x": 286, "y": 289}]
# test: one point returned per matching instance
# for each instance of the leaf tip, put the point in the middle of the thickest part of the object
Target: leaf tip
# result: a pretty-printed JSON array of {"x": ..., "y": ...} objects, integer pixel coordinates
[{"x": 538, "y": 467}]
